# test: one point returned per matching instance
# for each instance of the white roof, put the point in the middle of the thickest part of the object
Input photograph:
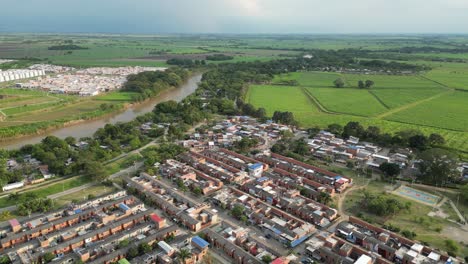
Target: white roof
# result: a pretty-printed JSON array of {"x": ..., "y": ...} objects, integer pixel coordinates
[
  {"x": 363, "y": 259},
  {"x": 164, "y": 246},
  {"x": 434, "y": 256},
  {"x": 417, "y": 247}
]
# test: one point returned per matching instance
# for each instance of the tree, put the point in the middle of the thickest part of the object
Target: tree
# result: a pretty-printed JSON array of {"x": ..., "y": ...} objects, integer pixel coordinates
[
  {"x": 437, "y": 166},
  {"x": 436, "y": 139},
  {"x": 132, "y": 252},
  {"x": 237, "y": 211},
  {"x": 336, "y": 129},
  {"x": 123, "y": 243},
  {"x": 361, "y": 84},
  {"x": 5, "y": 259},
  {"x": 266, "y": 258},
  {"x": 324, "y": 197},
  {"x": 353, "y": 129},
  {"x": 144, "y": 248},
  {"x": 48, "y": 257},
  {"x": 408, "y": 234},
  {"x": 95, "y": 171},
  {"x": 339, "y": 83},
  {"x": 197, "y": 191},
  {"x": 464, "y": 192},
  {"x": 419, "y": 142},
  {"x": 451, "y": 246},
  {"x": 390, "y": 169},
  {"x": 369, "y": 83},
  {"x": 183, "y": 254}
]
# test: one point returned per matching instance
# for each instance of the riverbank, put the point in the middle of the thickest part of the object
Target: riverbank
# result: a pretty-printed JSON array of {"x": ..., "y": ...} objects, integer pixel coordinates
[{"x": 85, "y": 127}]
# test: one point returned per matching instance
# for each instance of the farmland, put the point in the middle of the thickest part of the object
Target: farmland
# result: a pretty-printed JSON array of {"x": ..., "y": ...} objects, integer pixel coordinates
[
  {"x": 348, "y": 101},
  {"x": 394, "y": 103}
]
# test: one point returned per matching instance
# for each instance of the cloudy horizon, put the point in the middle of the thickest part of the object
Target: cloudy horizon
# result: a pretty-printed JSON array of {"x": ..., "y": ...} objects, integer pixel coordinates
[{"x": 235, "y": 16}]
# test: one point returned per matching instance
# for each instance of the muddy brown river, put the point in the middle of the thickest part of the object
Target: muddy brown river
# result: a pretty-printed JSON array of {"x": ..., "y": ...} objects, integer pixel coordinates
[{"x": 87, "y": 128}]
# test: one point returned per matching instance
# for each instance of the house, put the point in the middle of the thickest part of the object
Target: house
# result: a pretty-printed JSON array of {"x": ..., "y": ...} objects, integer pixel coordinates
[{"x": 12, "y": 186}]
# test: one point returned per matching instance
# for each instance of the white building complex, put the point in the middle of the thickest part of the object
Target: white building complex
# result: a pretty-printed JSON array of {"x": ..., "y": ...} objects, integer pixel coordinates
[{"x": 11, "y": 75}]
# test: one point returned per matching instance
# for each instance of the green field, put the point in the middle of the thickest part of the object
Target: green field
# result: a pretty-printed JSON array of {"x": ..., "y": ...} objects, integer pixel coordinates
[
  {"x": 311, "y": 79},
  {"x": 447, "y": 111},
  {"x": 416, "y": 219},
  {"x": 348, "y": 101},
  {"x": 414, "y": 103}
]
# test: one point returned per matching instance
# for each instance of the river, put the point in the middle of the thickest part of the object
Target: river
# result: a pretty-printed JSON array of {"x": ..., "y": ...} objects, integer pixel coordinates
[{"x": 87, "y": 128}]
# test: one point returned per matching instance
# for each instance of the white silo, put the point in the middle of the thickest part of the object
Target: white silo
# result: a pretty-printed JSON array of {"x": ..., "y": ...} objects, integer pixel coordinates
[
  {"x": 1, "y": 78},
  {"x": 28, "y": 74},
  {"x": 7, "y": 77}
]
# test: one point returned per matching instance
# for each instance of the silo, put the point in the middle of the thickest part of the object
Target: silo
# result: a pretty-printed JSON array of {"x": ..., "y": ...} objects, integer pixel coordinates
[
  {"x": 16, "y": 76},
  {"x": 1, "y": 78},
  {"x": 7, "y": 77},
  {"x": 28, "y": 74}
]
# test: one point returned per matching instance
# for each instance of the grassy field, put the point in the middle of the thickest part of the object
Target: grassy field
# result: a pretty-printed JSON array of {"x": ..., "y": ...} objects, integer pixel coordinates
[
  {"x": 83, "y": 195},
  {"x": 310, "y": 79},
  {"x": 20, "y": 107},
  {"x": 292, "y": 98},
  {"x": 50, "y": 189},
  {"x": 348, "y": 101},
  {"x": 428, "y": 229},
  {"x": 448, "y": 111}
]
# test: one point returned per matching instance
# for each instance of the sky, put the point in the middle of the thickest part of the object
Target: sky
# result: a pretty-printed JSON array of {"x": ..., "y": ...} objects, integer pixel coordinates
[{"x": 234, "y": 16}]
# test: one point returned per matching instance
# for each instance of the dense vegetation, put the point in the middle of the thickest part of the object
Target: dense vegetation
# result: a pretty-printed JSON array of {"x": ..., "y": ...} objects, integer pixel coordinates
[
  {"x": 219, "y": 57},
  {"x": 67, "y": 47},
  {"x": 185, "y": 62},
  {"x": 148, "y": 84}
]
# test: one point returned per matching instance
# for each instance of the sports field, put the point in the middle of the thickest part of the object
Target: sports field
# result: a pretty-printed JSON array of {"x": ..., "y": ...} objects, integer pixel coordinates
[{"x": 417, "y": 195}]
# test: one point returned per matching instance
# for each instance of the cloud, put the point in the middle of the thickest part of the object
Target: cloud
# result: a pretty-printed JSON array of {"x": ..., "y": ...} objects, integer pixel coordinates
[{"x": 236, "y": 16}]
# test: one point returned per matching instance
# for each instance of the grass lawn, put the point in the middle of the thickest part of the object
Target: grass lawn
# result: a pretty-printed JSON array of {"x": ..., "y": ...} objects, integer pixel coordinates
[
  {"x": 95, "y": 191},
  {"x": 116, "y": 96},
  {"x": 348, "y": 101},
  {"x": 50, "y": 189}
]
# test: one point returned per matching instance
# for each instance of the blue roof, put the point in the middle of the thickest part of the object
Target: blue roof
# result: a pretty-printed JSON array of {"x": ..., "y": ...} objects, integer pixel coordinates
[
  {"x": 256, "y": 166},
  {"x": 200, "y": 241},
  {"x": 299, "y": 240},
  {"x": 77, "y": 211},
  {"x": 262, "y": 179},
  {"x": 338, "y": 177},
  {"x": 124, "y": 207}
]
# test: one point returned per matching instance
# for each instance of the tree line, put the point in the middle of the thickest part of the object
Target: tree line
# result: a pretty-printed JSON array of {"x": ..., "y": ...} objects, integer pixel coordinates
[{"x": 149, "y": 84}]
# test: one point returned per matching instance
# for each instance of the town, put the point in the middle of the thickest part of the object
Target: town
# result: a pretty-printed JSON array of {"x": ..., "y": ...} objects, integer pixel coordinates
[
  {"x": 212, "y": 202},
  {"x": 68, "y": 80}
]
